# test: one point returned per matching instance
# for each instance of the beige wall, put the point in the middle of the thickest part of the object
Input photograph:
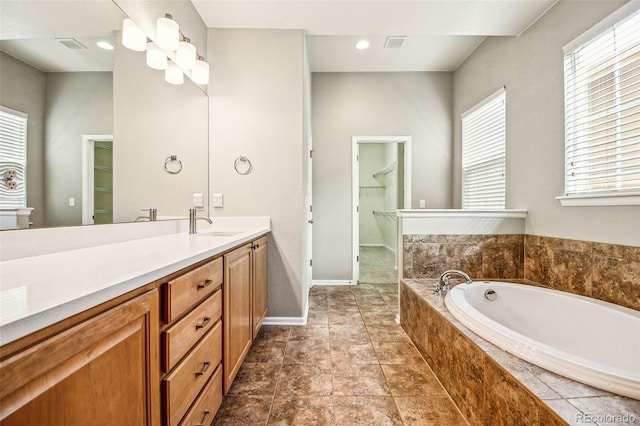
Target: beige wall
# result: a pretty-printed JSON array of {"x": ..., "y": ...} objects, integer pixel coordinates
[
  {"x": 256, "y": 109},
  {"x": 76, "y": 103},
  {"x": 22, "y": 89},
  {"x": 530, "y": 66},
  {"x": 374, "y": 104}
]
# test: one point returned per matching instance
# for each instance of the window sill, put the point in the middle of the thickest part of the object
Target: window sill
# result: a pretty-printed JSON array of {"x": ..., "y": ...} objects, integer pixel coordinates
[{"x": 591, "y": 200}]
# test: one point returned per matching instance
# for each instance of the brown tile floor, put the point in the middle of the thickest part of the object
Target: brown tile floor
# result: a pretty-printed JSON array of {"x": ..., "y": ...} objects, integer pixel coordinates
[{"x": 351, "y": 365}]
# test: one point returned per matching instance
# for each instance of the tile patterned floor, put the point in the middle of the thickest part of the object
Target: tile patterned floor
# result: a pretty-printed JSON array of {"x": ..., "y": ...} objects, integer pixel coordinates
[
  {"x": 377, "y": 265},
  {"x": 351, "y": 365}
]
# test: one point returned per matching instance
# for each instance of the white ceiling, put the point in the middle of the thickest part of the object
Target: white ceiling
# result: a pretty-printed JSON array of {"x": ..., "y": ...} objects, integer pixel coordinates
[{"x": 440, "y": 34}]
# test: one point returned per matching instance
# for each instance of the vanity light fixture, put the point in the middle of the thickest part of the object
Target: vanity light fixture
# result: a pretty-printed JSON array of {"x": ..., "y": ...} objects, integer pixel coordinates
[
  {"x": 200, "y": 71},
  {"x": 173, "y": 74},
  {"x": 133, "y": 37},
  {"x": 167, "y": 33},
  {"x": 156, "y": 58},
  {"x": 362, "y": 44},
  {"x": 186, "y": 54},
  {"x": 169, "y": 50}
]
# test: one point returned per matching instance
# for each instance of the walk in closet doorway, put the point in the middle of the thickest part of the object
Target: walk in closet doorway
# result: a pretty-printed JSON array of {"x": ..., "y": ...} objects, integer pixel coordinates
[{"x": 381, "y": 186}]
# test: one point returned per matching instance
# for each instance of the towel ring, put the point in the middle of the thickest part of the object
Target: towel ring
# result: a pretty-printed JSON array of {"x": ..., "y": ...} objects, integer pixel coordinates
[
  {"x": 175, "y": 169},
  {"x": 242, "y": 165}
]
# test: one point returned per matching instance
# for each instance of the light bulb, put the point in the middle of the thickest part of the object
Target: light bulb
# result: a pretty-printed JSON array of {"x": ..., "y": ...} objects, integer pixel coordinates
[
  {"x": 200, "y": 72},
  {"x": 173, "y": 74},
  {"x": 156, "y": 58},
  {"x": 362, "y": 44},
  {"x": 167, "y": 33},
  {"x": 186, "y": 55},
  {"x": 133, "y": 37}
]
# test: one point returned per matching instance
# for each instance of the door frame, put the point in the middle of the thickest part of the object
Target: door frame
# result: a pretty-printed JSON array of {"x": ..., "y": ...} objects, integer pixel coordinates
[
  {"x": 355, "y": 194},
  {"x": 88, "y": 142}
]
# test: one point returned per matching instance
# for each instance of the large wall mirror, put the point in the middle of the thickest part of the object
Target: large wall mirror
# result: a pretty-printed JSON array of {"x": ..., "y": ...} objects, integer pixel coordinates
[{"x": 101, "y": 124}]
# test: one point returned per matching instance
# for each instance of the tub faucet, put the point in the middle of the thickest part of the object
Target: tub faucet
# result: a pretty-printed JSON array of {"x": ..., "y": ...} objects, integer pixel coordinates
[
  {"x": 193, "y": 219},
  {"x": 443, "y": 285}
]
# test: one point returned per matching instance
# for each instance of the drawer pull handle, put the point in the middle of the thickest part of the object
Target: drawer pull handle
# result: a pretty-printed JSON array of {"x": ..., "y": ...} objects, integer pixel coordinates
[
  {"x": 205, "y": 284},
  {"x": 204, "y": 323},
  {"x": 207, "y": 364},
  {"x": 207, "y": 413}
]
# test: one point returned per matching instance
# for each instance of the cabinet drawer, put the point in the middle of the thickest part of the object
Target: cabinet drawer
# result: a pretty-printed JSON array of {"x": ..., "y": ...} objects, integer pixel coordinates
[
  {"x": 186, "y": 290},
  {"x": 207, "y": 404},
  {"x": 185, "y": 382},
  {"x": 180, "y": 337}
]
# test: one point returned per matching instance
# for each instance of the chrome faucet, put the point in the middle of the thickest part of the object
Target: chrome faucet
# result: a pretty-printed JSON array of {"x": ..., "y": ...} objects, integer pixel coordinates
[
  {"x": 193, "y": 219},
  {"x": 153, "y": 215},
  {"x": 443, "y": 285}
]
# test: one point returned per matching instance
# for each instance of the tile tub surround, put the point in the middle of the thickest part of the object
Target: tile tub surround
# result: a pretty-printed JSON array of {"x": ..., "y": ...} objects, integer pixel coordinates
[
  {"x": 607, "y": 272},
  {"x": 488, "y": 256},
  {"x": 490, "y": 386}
]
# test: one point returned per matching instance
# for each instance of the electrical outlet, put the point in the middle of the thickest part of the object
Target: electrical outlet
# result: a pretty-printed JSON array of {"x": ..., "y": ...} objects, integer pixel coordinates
[
  {"x": 198, "y": 200},
  {"x": 422, "y": 204},
  {"x": 72, "y": 202},
  {"x": 217, "y": 200}
]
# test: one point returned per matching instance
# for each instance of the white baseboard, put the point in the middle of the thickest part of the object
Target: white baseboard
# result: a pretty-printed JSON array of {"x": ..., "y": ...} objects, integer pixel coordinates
[
  {"x": 285, "y": 321},
  {"x": 334, "y": 282},
  {"x": 393, "y": 251},
  {"x": 288, "y": 320}
]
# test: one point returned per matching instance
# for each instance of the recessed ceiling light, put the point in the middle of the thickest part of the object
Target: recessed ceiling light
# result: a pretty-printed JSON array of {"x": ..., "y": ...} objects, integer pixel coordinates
[
  {"x": 362, "y": 44},
  {"x": 105, "y": 45}
]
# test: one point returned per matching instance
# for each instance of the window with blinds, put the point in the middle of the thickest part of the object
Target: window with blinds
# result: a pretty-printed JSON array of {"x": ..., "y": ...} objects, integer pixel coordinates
[
  {"x": 13, "y": 149},
  {"x": 484, "y": 154},
  {"x": 602, "y": 112}
]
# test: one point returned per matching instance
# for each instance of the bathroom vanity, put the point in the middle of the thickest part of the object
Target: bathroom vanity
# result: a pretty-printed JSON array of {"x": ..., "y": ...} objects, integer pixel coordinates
[{"x": 161, "y": 341}]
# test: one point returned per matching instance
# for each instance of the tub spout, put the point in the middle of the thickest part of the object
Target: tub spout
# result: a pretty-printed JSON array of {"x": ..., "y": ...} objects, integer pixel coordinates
[{"x": 443, "y": 285}]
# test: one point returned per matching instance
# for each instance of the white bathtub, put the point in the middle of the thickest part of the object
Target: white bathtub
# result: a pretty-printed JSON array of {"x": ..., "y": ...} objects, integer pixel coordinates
[{"x": 587, "y": 340}]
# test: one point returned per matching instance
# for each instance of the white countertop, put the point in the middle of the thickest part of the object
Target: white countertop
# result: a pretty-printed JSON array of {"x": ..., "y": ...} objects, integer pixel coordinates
[{"x": 38, "y": 291}]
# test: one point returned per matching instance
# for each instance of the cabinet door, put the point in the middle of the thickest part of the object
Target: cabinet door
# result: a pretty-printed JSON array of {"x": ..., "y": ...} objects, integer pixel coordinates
[
  {"x": 260, "y": 284},
  {"x": 103, "y": 371},
  {"x": 236, "y": 311}
]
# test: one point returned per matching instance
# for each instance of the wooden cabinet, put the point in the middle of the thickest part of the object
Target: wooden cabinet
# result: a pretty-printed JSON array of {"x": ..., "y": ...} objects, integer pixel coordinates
[
  {"x": 245, "y": 303},
  {"x": 260, "y": 284},
  {"x": 237, "y": 311},
  {"x": 192, "y": 344},
  {"x": 145, "y": 357},
  {"x": 102, "y": 371}
]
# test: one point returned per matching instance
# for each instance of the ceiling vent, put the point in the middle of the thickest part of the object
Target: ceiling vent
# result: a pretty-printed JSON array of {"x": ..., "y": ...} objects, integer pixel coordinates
[
  {"x": 71, "y": 43},
  {"x": 394, "y": 42}
]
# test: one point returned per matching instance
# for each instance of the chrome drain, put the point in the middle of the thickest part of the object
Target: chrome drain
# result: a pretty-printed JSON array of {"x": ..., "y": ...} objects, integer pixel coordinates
[{"x": 490, "y": 295}]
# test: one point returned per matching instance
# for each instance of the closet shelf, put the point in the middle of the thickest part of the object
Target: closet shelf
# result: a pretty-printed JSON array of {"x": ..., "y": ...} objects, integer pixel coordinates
[
  {"x": 385, "y": 171},
  {"x": 389, "y": 215}
]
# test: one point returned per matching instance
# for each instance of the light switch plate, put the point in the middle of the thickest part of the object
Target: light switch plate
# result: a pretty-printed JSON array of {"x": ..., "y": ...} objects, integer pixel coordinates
[
  {"x": 72, "y": 202},
  {"x": 217, "y": 200},
  {"x": 198, "y": 200}
]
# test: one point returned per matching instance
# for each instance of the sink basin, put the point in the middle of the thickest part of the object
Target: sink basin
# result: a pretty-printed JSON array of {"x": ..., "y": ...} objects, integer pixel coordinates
[{"x": 219, "y": 233}]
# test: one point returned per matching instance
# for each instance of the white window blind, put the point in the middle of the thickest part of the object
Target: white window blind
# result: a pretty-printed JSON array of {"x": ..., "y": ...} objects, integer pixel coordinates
[
  {"x": 484, "y": 154},
  {"x": 13, "y": 146},
  {"x": 602, "y": 112}
]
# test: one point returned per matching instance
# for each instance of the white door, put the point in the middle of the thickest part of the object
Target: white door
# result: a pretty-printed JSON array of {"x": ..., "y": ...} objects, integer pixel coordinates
[{"x": 309, "y": 207}]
